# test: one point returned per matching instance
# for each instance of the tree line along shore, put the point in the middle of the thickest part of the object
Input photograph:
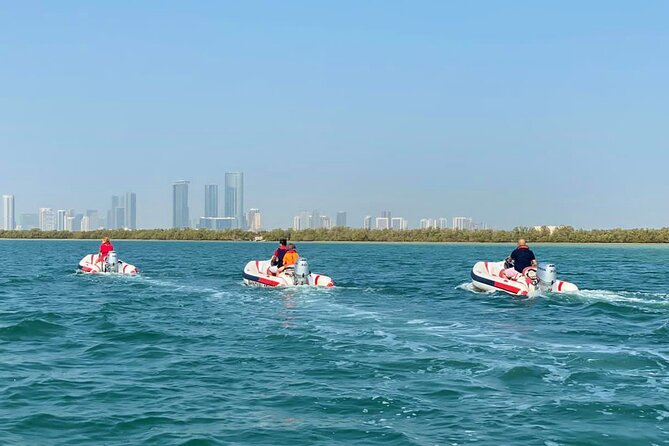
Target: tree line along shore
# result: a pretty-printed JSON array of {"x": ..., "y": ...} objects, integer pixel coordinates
[{"x": 565, "y": 234}]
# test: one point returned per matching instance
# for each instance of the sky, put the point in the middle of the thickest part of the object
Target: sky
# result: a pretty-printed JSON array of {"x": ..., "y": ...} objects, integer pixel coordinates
[{"x": 514, "y": 113}]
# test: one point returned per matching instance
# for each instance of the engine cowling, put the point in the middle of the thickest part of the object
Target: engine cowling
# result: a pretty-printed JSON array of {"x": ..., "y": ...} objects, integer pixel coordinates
[
  {"x": 546, "y": 274},
  {"x": 302, "y": 271},
  {"x": 112, "y": 262}
]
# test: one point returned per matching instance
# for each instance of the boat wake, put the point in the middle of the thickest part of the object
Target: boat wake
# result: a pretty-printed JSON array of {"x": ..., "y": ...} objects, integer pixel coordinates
[
  {"x": 626, "y": 298},
  {"x": 468, "y": 286},
  {"x": 630, "y": 298}
]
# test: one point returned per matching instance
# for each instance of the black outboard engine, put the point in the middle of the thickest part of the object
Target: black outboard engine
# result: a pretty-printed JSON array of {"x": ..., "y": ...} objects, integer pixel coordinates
[
  {"x": 301, "y": 272},
  {"x": 111, "y": 263},
  {"x": 546, "y": 275}
]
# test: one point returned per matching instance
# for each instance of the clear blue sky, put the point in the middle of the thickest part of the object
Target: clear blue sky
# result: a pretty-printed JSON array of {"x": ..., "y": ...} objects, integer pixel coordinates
[{"x": 514, "y": 113}]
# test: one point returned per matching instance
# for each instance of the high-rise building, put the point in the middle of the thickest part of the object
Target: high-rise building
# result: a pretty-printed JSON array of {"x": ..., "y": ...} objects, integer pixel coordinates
[
  {"x": 180, "y": 217},
  {"x": 427, "y": 223},
  {"x": 93, "y": 219},
  {"x": 341, "y": 219},
  {"x": 305, "y": 220},
  {"x": 399, "y": 224},
  {"x": 9, "y": 217},
  {"x": 367, "y": 222},
  {"x": 254, "y": 220},
  {"x": 386, "y": 214},
  {"x": 47, "y": 220},
  {"x": 60, "y": 219},
  {"x": 382, "y": 223},
  {"x": 443, "y": 223},
  {"x": 85, "y": 223},
  {"x": 325, "y": 222},
  {"x": 116, "y": 215},
  {"x": 211, "y": 200},
  {"x": 119, "y": 218},
  {"x": 463, "y": 223},
  {"x": 130, "y": 214},
  {"x": 297, "y": 223},
  {"x": 234, "y": 197},
  {"x": 69, "y": 224}
]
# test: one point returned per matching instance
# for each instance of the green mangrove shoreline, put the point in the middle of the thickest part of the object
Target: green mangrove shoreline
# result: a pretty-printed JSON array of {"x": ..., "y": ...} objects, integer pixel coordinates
[{"x": 565, "y": 234}]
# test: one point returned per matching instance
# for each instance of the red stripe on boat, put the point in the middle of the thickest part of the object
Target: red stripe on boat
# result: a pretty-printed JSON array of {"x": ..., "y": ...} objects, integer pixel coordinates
[
  {"x": 506, "y": 287},
  {"x": 560, "y": 285},
  {"x": 486, "y": 267},
  {"x": 316, "y": 279},
  {"x": 267, "y": 282}
]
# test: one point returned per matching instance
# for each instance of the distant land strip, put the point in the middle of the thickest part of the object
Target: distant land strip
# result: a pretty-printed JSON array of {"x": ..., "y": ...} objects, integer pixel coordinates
[{"x": 565, "y": 234}]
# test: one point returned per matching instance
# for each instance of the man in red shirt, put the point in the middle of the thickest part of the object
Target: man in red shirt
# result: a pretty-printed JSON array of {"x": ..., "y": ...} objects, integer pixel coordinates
[
  {"x": 279, "y": 253},
  {"x": 105, "y": 248}
]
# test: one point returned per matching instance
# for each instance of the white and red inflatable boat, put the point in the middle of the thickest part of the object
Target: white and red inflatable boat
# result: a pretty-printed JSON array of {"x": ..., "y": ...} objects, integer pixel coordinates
[
  {"x": 92, "y": 264},
  {"x": 257, "y": 273},
  {"x": 488, "y": 276}
]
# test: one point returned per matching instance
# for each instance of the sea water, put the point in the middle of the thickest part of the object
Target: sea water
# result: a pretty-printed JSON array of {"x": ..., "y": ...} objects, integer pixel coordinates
[{"x": 401, "y": 352}]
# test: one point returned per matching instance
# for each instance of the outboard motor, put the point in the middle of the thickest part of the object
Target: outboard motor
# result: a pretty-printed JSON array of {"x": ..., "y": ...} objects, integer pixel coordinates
[
  {"x": 112, "y": 262},
  {"x": 302, "y": 272},
  {"x": 546, "y": 275}
]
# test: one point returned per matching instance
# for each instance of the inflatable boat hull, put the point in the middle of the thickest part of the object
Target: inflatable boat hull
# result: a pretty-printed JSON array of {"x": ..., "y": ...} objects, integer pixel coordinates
[
  {"x": 486, "y": 276},
  {"x": 256, "y": 274},
  {"x": 91, "y": 264}
]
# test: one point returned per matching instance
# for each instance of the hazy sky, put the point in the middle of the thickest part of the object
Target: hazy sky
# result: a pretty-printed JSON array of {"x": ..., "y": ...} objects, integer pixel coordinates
[{"x": 513, "y": 113}]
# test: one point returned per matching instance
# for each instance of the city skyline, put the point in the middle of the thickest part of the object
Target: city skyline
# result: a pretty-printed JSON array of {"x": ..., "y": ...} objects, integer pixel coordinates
[{"x": 435, "y": 110}]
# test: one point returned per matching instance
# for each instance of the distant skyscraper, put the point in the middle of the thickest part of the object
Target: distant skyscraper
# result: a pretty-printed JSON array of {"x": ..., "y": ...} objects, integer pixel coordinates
[
  {"x": 254, "y": 220},
  {"x": 46, "y": 219},
  {"x": 119, "y": 218},
  {"x": 382, "y": 223},
  {"x": 297, "y": 223},
  {"x": 234, "y": 197},
  {"x": 93, "y": 219},
  {"x": 325, "y": 222},
  {"x": 85, "y": 223},
  {"x": 399, "y": 224},
  {"x": 130, "y": 210},
  {"x": 115, "y": 217},
  {"x": 341, "y": 219},
  {"x": 463, "y": 223},
  {"x": 386, "y": 214},
  {"x": 180, "y": 217},
  {"x": 69, "y": 224},
  {"x": 367, "y": 222},
  {"x": 60, "y": 219},
  {"x": 443, "y": 223},
  {"x": 211, "y": 200},
  {"x": 9, "y": 217}
]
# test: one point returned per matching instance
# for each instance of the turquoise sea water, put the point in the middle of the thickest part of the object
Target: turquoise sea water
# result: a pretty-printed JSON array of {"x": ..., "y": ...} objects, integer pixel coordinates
[{"x": 401, "y": 352}]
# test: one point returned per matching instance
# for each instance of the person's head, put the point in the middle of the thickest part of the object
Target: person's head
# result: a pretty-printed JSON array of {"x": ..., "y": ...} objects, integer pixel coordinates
[
  {"x": 522, "y": 242},
  {"x": 105, "y": 240},
  {"x": 283, "y": 241},
  {"x": 291, "y": 246}
]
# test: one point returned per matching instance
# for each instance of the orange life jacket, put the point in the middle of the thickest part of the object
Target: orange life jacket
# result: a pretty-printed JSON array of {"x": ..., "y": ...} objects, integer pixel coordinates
[{"x": 290, "y": 258}]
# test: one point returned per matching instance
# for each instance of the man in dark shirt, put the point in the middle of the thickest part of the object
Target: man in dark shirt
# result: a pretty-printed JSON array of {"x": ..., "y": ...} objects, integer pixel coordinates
[
  {"x": 279, "y": 253},
  {"x": 522, "y": 258}
]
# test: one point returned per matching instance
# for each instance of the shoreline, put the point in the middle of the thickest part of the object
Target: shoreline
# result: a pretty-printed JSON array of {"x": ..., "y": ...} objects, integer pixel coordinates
[{"x": 344, "y": 242}]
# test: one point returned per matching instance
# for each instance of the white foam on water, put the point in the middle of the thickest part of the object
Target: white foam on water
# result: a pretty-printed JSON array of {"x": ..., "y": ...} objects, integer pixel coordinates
[
  {"x": 468, "y": 286},
  {"x": 624, "y": 297}
]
